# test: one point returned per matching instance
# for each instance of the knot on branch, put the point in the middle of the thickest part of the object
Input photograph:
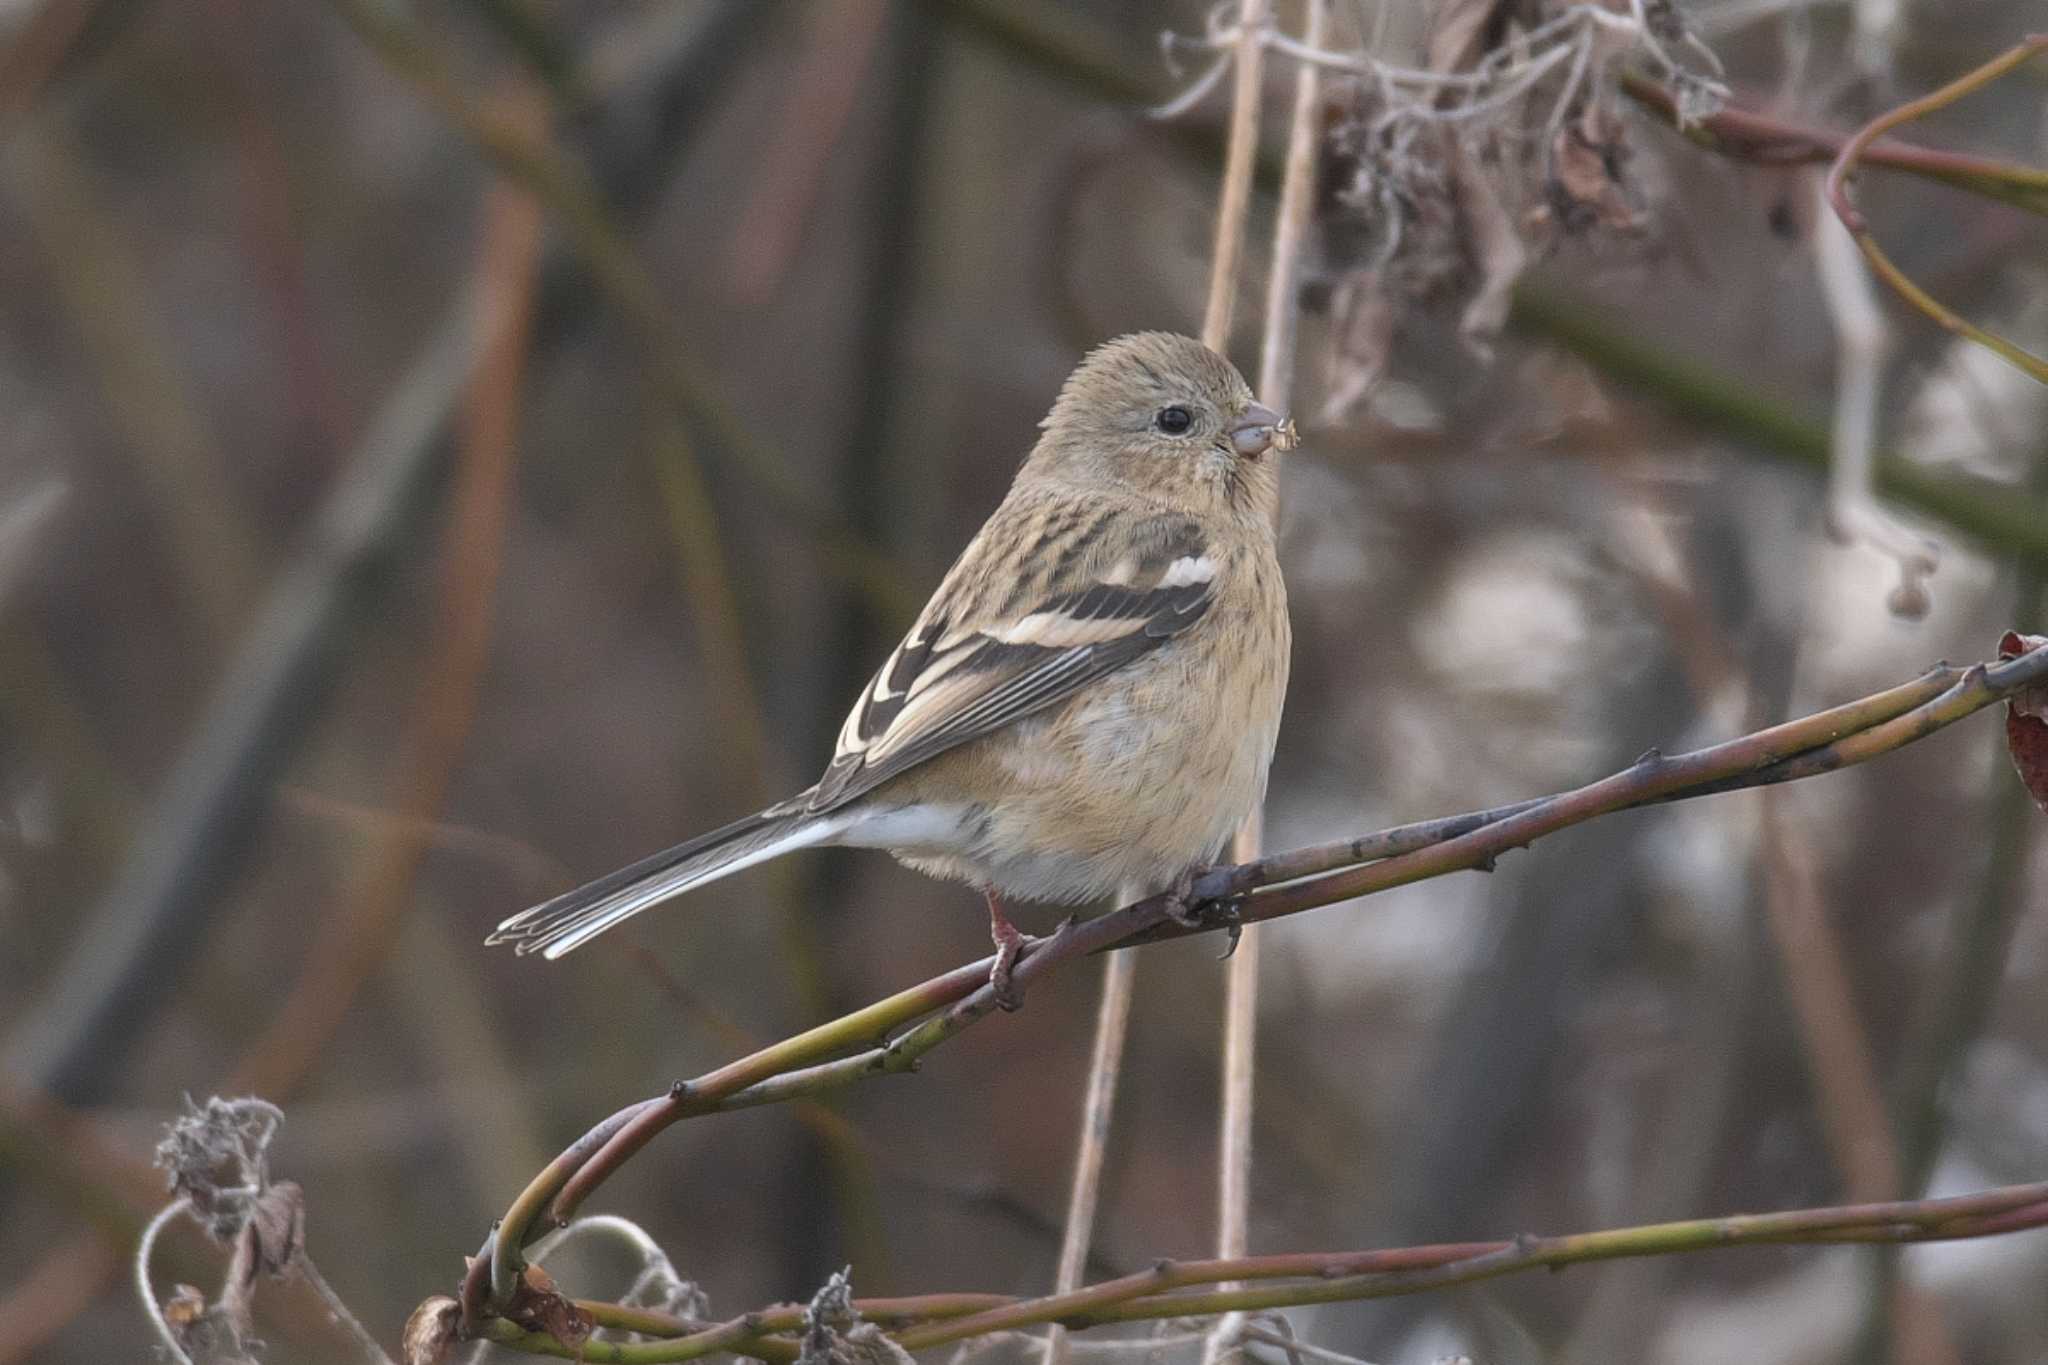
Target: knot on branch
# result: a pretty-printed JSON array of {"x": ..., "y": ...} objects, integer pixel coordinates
[{"x": 835, "y": 1335}]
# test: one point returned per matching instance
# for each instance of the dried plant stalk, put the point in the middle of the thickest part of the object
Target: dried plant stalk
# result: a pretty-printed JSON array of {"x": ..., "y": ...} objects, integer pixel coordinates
[
  {"x": 1276, "y": 378},
  {"x": 1112, "y": 1022}
]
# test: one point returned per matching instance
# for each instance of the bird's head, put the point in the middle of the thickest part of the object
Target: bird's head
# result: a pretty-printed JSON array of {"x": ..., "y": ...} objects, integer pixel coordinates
[{"x": 1168, "y": 417}]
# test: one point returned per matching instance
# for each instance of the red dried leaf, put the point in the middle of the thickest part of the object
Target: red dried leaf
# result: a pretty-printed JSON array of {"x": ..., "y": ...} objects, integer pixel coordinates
[
  {"x": 2032, "y": 701},
  {"x": 2026, "y": 721}
]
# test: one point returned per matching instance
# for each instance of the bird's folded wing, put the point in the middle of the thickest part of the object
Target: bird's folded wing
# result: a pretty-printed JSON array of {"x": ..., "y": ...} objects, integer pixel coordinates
[{"x": 994, "y": 646}]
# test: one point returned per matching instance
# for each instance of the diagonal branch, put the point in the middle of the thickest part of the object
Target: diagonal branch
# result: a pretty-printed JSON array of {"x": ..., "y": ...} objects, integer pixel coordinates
[{"x": 868, "y": 1043}]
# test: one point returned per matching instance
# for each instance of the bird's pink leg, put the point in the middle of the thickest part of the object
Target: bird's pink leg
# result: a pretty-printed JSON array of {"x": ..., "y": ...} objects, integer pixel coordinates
[{"x": 1009, "y": 941}]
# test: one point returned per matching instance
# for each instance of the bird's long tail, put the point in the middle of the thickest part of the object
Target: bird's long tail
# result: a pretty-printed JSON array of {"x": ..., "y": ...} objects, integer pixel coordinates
[{"x": 570, "y": 920}]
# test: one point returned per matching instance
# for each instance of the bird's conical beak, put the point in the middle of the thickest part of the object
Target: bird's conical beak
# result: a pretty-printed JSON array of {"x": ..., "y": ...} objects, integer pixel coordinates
[{"x": 1259, "y": 430}]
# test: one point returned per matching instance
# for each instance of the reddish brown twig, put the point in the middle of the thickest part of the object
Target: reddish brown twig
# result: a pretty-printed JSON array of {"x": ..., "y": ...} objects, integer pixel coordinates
[{"x": 1750, "y": 136}]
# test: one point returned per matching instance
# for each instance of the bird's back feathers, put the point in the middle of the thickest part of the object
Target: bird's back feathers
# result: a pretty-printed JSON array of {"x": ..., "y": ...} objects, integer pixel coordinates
[{"x": 971, "y": 665}]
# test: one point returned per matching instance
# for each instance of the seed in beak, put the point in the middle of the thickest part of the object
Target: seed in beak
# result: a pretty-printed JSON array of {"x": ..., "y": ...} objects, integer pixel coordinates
[{"x": 1259, "y": 430}]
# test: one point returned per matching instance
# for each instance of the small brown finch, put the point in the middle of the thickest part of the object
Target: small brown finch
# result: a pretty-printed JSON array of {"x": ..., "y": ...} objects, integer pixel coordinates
[{"x": 1089, "y": 701}]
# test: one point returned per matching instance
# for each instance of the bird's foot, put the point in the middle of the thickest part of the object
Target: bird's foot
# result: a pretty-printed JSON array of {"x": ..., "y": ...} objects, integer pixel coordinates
[
  {"x": 1011, "y": 944},
  {"x": 1215, "y": 913},
  {"x": 1001, "y": 976},
  {"x": 1009, "y": 941}
]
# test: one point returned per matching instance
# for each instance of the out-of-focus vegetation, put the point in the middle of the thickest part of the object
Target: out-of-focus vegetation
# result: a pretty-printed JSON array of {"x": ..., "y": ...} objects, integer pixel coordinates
[{"x": 451, "y": 451}]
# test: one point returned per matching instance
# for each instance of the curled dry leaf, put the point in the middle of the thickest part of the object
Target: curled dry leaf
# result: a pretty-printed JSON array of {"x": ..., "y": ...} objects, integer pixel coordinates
[
  {"x": 2026, "y": 720},
  {"x": 1394, "y": 230},
  {"x": 432, "y": 1331},
  {"x": 215, "y": 1157},
  {"x": 277, "y": 1221}
]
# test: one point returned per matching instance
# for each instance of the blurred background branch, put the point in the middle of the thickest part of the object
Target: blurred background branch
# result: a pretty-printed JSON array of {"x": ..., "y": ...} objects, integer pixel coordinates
[{"x": 155, "y": 910}]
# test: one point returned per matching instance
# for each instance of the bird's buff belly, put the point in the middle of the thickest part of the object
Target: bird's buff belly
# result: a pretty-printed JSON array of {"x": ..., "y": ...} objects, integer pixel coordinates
[{"x": 1123, "y": 790}]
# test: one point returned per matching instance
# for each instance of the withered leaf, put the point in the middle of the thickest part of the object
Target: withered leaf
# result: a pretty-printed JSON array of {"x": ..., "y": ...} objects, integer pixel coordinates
[
  {"x": 278, "y": 1218},
  {"x": 1585, "y": 189},
  {"x": 2026, "y": 721},
  {"x": 432, "y": 1331}
]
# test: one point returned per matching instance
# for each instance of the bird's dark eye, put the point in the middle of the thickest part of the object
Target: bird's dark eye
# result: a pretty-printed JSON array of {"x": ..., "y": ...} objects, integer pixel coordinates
[{"x": 1174, "y": 421}]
